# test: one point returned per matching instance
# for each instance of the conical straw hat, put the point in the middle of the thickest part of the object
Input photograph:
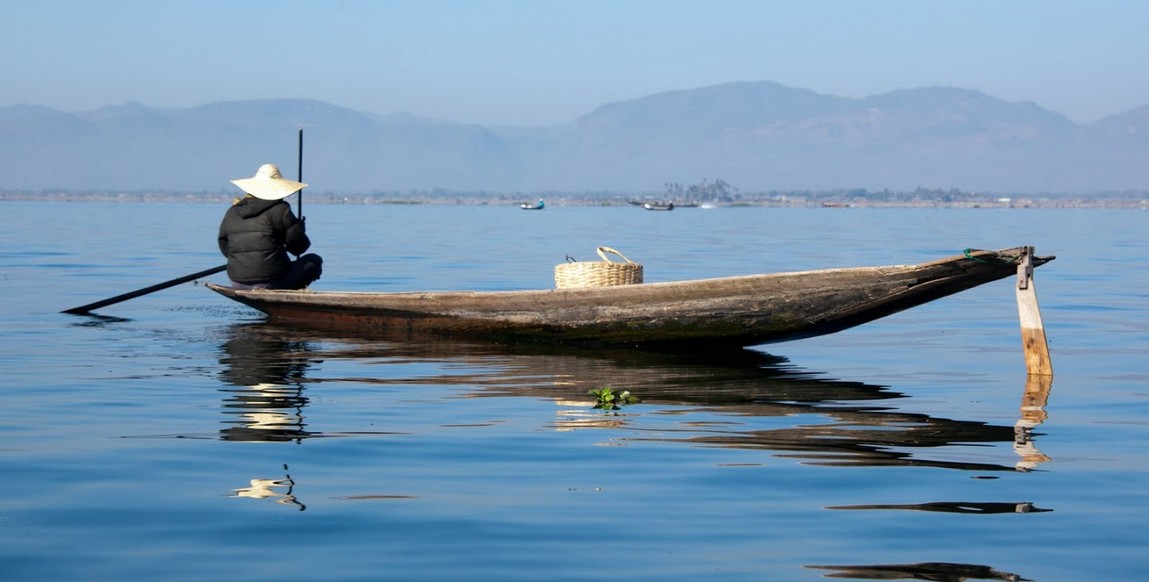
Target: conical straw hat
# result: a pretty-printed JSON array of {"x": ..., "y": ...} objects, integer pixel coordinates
[{"x": 269, "y": 184}]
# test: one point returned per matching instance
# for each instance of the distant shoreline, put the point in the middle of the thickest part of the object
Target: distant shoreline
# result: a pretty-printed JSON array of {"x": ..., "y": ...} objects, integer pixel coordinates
[{"x": 831, "y": 200}]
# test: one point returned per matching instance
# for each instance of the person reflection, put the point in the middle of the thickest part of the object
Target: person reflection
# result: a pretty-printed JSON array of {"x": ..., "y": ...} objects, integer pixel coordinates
[{"x": 263, "y": 383}]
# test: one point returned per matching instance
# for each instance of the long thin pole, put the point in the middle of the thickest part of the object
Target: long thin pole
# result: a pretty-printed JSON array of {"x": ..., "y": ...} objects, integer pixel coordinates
[
  {"x": 85, "y": 309},
  {"x": 299, "y": 201}
]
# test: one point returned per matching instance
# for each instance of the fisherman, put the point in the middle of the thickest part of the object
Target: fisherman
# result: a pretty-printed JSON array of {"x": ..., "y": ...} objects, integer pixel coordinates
[{"x": 258, "y": 232}]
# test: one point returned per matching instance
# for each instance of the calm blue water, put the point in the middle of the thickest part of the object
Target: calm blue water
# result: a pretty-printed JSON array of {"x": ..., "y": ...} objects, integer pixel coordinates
[{"x": 181, "y": 437}]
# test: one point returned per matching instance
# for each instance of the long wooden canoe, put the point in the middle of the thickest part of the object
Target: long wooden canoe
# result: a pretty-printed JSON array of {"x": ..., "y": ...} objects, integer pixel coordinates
[{"x": 743, "y": 310}]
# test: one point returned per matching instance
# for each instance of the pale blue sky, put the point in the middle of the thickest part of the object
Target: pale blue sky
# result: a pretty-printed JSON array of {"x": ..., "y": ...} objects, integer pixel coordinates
[{"x": 545, "y": 62}]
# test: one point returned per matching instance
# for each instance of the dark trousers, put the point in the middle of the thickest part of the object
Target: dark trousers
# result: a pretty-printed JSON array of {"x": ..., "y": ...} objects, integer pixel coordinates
[{"x": 303, "y": 272}]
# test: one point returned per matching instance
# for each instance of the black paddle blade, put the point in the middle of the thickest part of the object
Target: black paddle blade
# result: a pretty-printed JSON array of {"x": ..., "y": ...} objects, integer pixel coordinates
[{"x": 86, "y": 309}]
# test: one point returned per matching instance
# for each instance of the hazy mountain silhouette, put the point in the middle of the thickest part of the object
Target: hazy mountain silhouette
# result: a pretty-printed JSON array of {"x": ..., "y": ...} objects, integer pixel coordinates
[{"x": 758, "y": 136}]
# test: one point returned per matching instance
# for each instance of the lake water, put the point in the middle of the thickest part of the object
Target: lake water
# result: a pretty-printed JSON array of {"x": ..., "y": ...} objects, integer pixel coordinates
[{"x": 180, "y": 436}]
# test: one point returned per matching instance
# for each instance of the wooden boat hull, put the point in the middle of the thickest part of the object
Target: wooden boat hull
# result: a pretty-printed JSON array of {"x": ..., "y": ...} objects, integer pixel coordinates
[{"x": 743, "y": 310}]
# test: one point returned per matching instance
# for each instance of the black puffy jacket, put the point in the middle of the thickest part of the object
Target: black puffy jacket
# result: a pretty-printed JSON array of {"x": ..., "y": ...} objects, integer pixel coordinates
[{"x": 256, "y": 236}]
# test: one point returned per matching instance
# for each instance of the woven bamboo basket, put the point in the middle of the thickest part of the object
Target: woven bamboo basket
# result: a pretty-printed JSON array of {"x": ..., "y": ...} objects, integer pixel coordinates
[{"x": 602, "y": 273}]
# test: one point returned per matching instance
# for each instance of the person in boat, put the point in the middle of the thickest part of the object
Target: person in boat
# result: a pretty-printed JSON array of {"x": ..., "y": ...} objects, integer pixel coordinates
[{"x": 258, "y": 232}]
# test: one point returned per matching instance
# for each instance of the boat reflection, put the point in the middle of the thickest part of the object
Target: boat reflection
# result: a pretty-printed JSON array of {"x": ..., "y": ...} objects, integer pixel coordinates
[
  {"x": 263, "y": 374},
  {"x": 730, "y": 398},
  {"x": 969, "y": 507},
  {"x": 934, "y": 571}
]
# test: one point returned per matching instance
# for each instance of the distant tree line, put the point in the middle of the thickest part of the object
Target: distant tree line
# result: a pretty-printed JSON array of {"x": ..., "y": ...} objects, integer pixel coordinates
[
  {"x": 716, "y": 191},
  {"x": 721, "y": 191}
]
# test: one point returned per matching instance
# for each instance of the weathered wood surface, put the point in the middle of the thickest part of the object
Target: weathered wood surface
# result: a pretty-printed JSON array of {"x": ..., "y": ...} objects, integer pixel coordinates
[{"x": 742, "y": 310}]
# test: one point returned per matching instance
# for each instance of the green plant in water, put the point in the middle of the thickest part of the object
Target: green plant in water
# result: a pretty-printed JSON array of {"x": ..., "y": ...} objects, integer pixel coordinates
[{"x": 610, "y": 400}]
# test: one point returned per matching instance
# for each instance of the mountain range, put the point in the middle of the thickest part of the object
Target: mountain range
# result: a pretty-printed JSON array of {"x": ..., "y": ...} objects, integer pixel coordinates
[{"x": 756, "y": 136}]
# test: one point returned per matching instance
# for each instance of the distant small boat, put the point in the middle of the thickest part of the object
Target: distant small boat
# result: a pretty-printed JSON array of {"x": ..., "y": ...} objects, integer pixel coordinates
[
  {"x": 536, "y": 206},
  {"x": 661, "y": 205}
]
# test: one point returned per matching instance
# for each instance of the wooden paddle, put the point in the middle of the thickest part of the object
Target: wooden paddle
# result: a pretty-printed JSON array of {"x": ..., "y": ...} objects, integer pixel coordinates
[{"x": 85, "y": 309}]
